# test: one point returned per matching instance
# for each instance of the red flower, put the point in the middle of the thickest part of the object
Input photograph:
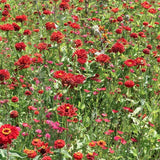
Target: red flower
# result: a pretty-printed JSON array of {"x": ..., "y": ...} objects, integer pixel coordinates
[
  {"x": 140, "y": 61},
  {"x": 14, "y": 99},
  {"x": 4, "y": 74},
  {"x": 30, "y": 153},
  {"x": 27, "y": 32},
  {"x": 158, "y": 59},
  {"x": 103, "y": 58},
  {"x": 46, "y": 158},
  {"x": 16, "y": 26},
  {"x": 134, "y": 35},
  {"x": 118, "y": 47},
  {"x": 7, "y": 27},
  {"x": 57, "y": 36},
  {"x": 92, "y": 144},
  {"x": 23, "y": 62},
  {"x": 119, "y": 31},
  {"x": 7, "y": 133},
  {"x": 152, "y": 10},
  {"x": 47, "y": 12},
  {"x": 78, "y": 155},
  {"x": 67, "y": 110},
  {"x": 81, "y": 55},
  {"x": 50, "y": 25},
  {"x": 21, "y": 18},
  {"x": 28, "y": 93},
  {"x": 130, "y": 62},
  {"x": 64, "y": 6},
  {"x": 45, "y": 149},
  {"x": 59, "y": 74},
  {"x": 59, "y": 143},
  {"x": 129, "y": 83},
  {"x": 146, "y": 51},
  {"x": 91, "y": 156},
  {"x": 20, "y": 46},
  {"x": 78, "y": 43},
  {"x": 115, "y": 10},
  {"x": 75, "y": 25},
  {"x": 14, "y": 114},
  {"x": 41, "y": 46}
]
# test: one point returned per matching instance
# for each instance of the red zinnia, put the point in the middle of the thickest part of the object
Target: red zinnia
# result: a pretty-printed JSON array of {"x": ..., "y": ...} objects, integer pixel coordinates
[
  {"x": 7, "y": 27},
  {"x": 81, "y": 55},
  {"x": 16, "y": 26},
  {"x": 59, "y": 74},
  {"x": 23, "y": 62},
  {"x": 103, "y": 58},
  {"x": 7, "y": 133},
  {"x": 46, "y": 158},
  {"x": 118, "y": 47},
  {"x": 14, "y": 99},
  {"x": 129, "y": 83},
  {"x": 14, "y": 114},
  {"x": 20, "y": 46},
  {"x": 21, "y": 18},
  {"x": 59, "y": 143},
  {"x": 64, "y": 6},
  {"x": 57, "y": 36},
  {"x": 130, "y": 62},
  {"x": 78, "y": 43},
  {"x": 78, "y": 155},
  {"x": 50, "y": 25},
  {"x": 4, "y": 74},
  {"x": 67, "y": 110}
]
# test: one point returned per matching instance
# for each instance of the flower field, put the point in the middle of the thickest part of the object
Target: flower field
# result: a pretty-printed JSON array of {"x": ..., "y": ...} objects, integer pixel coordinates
[{"x": 79, "y": 80}]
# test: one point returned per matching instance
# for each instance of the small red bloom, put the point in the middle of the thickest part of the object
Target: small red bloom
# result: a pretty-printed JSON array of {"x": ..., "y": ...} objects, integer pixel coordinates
[
  {"x": 64, "y": 6},
  {"x": 20, "y": 46},
  {"x": 57, "y": 36},
  {"x": 78, "y": 155},
  {"x": 14, "y": 114},
  {"x": 103, "y": 58},
  {"x": 21, "y": 18},
  {"x": 4, "y": 74},
  {"x": 16, "y": 26},
  {"x": 59, "y": 143},
  {"x": 7, "y": 27},
  {"x": 23, "y": 62},
  {"x": 129, "y": 83},
  {"x": 67, "y": 110},
  {"x": 130, "y": 62},
  {"x": 50, "y": 26},
  {"x": 118, "y": 47},
  {"x": 14, "y": 99}
]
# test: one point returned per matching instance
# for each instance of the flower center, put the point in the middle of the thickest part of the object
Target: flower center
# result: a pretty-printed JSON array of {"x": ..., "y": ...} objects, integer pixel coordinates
[{"x": 6, "y": 131}]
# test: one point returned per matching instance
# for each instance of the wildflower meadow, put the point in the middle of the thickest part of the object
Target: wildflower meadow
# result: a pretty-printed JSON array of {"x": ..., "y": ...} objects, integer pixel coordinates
[{"x": 79, "y": 80}]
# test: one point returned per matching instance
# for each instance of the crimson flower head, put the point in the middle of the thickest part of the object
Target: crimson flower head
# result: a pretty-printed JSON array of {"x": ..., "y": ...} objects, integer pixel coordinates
[
  {"x": 81, "y": 55},
  {"x": 67, "y": 110},
  {"x": 129, "y": 83},
  {"x": 57, "y": 36},
  {"x": 130, "y": 62},
  {"x": 16, "y": 26},
  {"x": 103, "y": 58},
  {"x": 20, "y": 46},
  {"x": 64, "y": 6},
  {"x": 118, "y": 47},
  {"x": 50, "y": 25},
  {"x": 78, "y": 155},
  {"x": 23, "y": 62},
  {"x": 14, "y": 114},
  {"x": 91, "y": 156},
  {"x": 59, "y": 143},
  {"x": 8, "y": 133},
  {"x": 21, "y": 18},
  {"x": 6, "y": 27},
  {"x": 4, "y": 74},
  {"x": 14, "y": 99}
]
